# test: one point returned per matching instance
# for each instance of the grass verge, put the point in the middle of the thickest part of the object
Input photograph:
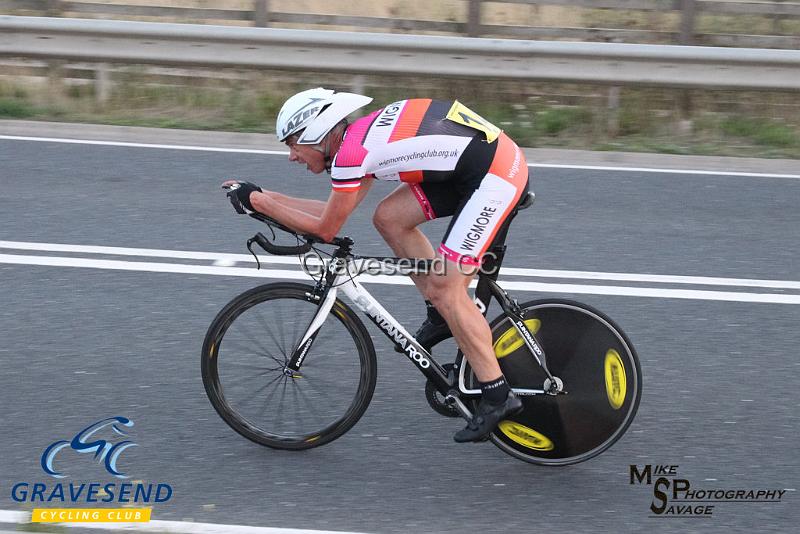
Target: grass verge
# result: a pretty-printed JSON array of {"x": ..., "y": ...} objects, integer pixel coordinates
[{"x": 578, "y": 117}]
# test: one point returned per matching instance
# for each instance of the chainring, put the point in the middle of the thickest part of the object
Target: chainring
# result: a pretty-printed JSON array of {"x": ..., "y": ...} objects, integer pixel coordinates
[{"x": 436, "y": 399}]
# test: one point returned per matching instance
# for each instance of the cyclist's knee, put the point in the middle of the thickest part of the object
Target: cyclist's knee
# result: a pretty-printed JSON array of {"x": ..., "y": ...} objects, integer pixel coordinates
[
  {"x": 444, "y": 291},
  {"x": 440, "y": 297},
  {"x": 384, "y": 219}
]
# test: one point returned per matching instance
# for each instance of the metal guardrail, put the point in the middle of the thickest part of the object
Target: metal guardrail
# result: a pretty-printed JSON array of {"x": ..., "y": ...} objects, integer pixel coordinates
[
  {"x": 666, "y": 21},
  {"x": 104, "y": 41}
]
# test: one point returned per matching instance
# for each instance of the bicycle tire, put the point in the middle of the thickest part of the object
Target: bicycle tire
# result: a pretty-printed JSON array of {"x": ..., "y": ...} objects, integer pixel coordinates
[
  {"x": 601, "y": 373},
  {"x": 274, "y": 298}
]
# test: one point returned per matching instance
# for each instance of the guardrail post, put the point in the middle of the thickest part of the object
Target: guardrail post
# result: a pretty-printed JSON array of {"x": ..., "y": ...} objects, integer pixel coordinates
[
  {"x": 777, "y": 18},
  {"x": 358, "y": 86},
  {"x": 474, "y": 18},
  {"x": 55, "y": 80},
  {"x": 612, "y": 105},
  {"x": 688, "y": 11},
  {"x": 102, "y": 84},
  {"x": 54, "y": 8},
  {"x": 261, "y": 9},
  {"x": 685, "y": 123},
  {"x": 612, "y": 111},
  {"x": 55, "y": 70}
]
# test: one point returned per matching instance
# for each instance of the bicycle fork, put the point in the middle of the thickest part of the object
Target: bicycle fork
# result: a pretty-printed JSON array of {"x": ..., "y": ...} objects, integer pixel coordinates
[{"x": 325, "y": 299}]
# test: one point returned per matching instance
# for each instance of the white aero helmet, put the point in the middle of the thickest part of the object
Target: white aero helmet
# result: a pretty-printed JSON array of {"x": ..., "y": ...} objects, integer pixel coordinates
[{"x": 315, "y": 112}]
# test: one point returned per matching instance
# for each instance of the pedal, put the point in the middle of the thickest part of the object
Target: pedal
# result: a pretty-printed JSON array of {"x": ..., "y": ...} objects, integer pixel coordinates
[
  {"x": 459, "y": 405},
  {"x": 553, "y": 387}
]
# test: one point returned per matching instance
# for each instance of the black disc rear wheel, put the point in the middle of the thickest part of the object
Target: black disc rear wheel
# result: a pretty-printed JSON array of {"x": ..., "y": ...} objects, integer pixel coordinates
[{"x": 601, "y": 376}]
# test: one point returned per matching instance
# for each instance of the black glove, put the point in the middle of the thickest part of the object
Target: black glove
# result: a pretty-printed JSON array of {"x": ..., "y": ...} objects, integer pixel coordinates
[{"x": 239, "y": 195}]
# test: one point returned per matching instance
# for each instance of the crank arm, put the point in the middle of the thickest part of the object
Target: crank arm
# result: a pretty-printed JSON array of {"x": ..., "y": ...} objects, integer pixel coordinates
[{"x": 461, "y": 408}]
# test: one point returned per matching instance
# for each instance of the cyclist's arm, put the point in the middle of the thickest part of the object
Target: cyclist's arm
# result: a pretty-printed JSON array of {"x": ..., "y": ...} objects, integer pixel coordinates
[
  {"x": 306, "y": 205},
  {"x": 315, "y": 207},
  {"x": 325, "y": 225}
]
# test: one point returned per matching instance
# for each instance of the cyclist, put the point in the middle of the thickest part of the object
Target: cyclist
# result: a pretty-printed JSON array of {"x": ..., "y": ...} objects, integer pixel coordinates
[{"x": 451, "y": 162}]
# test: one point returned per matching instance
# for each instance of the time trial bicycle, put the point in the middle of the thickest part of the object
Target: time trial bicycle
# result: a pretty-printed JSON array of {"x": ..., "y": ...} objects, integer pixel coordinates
[{"x": 291, "y": 366}]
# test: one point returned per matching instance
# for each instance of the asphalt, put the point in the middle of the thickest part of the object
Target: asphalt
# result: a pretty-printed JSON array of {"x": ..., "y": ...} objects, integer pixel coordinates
[{"x": 720, "y": 378}]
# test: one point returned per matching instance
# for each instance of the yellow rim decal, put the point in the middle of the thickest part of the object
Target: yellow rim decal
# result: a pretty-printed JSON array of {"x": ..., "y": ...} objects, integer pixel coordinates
[
  {"x": 527, "y": 437},
  {"x": 463, "y": 115},
  {"x": 213, "y": 351},
  {"x": 615, "y": 379},
  {"x": 511, "y": 340}
]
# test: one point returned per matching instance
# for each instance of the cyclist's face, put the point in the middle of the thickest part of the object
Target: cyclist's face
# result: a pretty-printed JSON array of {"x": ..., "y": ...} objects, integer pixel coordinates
[{"x": 305, "y": 154}]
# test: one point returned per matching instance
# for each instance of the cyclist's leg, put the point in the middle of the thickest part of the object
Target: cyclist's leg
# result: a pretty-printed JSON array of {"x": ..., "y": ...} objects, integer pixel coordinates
[
  {"x": 448, "y": 292},
  {"x": 469, "y": 236},
  {"x": 471, "y": 233},
  {"x": 399, "y": 214}
]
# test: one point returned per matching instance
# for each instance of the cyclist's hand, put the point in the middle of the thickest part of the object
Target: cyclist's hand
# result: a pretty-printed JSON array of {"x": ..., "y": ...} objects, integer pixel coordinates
[{"x": 239, "y": 195}]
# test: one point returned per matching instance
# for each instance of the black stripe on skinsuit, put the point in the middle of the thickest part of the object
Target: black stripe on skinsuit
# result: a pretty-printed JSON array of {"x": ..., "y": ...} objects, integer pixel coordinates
[
  {"x": 361, "y": 141},
  {"x": 434, "y": 122},
  {"x": 472, "y": 166},
  {"x": 345, "y": 180},
  {"x": 371, "y": 124},
  {"x": 432, "y": 177},
  {"x": 474, "y": 163}
]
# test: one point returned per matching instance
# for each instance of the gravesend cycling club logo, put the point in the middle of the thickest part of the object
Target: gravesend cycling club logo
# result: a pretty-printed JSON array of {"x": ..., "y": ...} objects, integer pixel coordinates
[
  {"x": 678, "y": 497},
  {"x": 97, "y": 448},
  {"x": 103, "y": 450}
]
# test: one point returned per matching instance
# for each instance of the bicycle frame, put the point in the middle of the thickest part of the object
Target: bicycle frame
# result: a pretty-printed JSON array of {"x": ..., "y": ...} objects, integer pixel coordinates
[{"x": 338, "y": 279}]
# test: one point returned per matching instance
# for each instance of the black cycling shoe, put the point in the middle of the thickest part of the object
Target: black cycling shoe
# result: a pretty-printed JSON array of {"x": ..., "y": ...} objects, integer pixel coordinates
[
  {"x": 430, "y": 333},
  {"x": 486, "y": 418}
]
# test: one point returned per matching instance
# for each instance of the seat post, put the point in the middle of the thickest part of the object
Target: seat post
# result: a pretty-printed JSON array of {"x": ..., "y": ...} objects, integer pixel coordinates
[{"x": 490, "y": 269}]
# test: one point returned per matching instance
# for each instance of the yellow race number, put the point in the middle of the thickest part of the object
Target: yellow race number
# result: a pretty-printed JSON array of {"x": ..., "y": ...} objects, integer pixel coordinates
[{"x": 463, "y": 115}]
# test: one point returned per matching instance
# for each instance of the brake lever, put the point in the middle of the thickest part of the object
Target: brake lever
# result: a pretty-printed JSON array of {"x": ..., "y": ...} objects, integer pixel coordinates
[{"x": 250, "y": 248}]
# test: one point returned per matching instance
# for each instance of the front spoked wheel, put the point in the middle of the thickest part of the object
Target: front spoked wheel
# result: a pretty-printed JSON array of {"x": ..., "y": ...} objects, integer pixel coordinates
[
  {"x": 601, "y": 376},
  {"x": 244, "y": 359}
]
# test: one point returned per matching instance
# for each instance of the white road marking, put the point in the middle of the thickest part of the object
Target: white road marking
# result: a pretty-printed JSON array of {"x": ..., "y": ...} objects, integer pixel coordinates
[
  {"x": 229, "y": 260},
  {"x": 178, "y": 527},
  {"x": 57, "y": 261},
  {"x": 656, "y": 278},
  {"x": 672, "y": 171},
  {"x": 13, "y": 516},
  {"x": 142, "y": 252},
  {"x": 285, "y": 153},
  {"x": 729, "y": 296},
  {"x": 143, "y": 145}
]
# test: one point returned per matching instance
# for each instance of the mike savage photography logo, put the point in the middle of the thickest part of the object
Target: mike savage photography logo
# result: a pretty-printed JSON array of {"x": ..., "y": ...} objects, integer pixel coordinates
[
  {"x": 95, "y": 450},
  {"x": 679, "y": 497}
]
